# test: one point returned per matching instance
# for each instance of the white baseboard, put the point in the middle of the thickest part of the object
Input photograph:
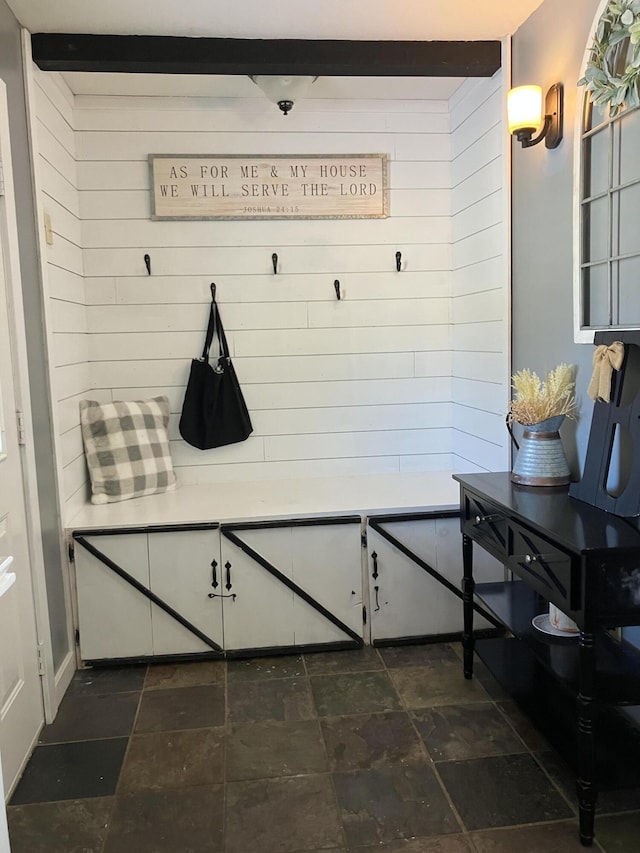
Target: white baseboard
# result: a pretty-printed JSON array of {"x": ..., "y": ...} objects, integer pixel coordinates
[{"x": 63, "y": 678}]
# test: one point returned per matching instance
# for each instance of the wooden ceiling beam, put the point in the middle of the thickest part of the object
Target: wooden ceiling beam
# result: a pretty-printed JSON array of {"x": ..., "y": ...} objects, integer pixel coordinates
[{"x": 335, "y": 58}]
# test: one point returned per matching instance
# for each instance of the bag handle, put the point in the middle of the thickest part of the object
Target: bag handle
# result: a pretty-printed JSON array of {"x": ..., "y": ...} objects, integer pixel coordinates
[{"x": 215, "y": 327}]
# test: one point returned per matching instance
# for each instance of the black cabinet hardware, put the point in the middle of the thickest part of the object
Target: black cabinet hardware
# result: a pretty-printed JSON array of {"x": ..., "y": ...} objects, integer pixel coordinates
[
  {"x": 214, "y": 574},
  {"x": 543, "y": 558},
  {"x": 227, "y": 566},
  {"x": 486, "y": 519},
  {"x": 219, "y": 595},
  {"x": 374, "y": 574}
]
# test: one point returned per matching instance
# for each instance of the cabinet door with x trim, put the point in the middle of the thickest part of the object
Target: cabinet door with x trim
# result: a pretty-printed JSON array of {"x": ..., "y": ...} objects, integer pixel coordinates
[{"x": 297, "y": 584}]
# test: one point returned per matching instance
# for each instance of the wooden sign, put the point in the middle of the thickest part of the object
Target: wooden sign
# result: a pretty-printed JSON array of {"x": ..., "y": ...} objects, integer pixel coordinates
[{"x": 268, "y": 187}]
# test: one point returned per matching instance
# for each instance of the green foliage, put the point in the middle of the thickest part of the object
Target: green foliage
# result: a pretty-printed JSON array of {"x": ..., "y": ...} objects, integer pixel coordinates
[{"x": 619, "y": 23}]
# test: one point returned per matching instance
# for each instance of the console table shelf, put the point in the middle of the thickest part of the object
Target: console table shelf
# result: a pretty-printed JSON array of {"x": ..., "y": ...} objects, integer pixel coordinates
[
  {"x": 617, "y": 673},
  {"x": 534, "y": 688}
]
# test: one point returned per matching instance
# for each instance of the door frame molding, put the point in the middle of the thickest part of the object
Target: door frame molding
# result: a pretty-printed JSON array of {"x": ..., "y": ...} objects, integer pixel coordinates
[
  {"x": 18, "y": 343},
  {"x": 55, "y": 691}
]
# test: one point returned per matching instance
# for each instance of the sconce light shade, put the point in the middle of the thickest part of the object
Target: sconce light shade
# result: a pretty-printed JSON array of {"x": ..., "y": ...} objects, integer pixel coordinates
[
  {"x": 524, "y": 108},
  {"x": 525, "y": 116},
  {"x": 283, "y": 91}
]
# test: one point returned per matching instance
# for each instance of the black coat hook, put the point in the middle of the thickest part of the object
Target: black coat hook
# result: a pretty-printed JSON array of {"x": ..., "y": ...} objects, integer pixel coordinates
[
  {"x": 336, "y": 285},
  {"x": 147, "y": 263},
  {"x": 274, "y": 261},
  {"x": 213, "y": 289},
  {"x": 398, "y": 261}
]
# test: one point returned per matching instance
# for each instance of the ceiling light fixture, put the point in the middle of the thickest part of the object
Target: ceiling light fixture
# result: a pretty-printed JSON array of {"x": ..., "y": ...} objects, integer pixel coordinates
[
  {"x": 524, "y": 110},
  {"x": 283, "y": 91}
]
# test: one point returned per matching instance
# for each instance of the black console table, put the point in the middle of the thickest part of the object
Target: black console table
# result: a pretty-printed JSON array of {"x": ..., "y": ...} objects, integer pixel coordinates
[{"x": 579, "y": 691}]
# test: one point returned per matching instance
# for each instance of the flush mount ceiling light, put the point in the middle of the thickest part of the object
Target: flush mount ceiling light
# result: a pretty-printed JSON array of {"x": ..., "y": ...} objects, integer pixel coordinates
[
  {"x": 524, "y": 110},
  {"x": 283, "y": 91}
]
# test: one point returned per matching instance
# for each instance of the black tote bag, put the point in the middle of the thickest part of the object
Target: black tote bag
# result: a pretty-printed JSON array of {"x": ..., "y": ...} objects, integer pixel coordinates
[{"x": 214, "y": 412}]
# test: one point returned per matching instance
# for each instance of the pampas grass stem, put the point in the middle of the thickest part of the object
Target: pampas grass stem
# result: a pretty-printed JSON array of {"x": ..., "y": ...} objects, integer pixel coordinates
[{"x": 536, "y": 399}]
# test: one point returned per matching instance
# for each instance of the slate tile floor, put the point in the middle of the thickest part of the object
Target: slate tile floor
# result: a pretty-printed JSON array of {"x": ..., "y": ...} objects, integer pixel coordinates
[{"x": 386, "y": 750}]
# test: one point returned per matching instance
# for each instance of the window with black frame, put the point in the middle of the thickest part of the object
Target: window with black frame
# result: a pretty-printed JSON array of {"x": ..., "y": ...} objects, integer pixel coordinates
[{"x": 609, "y": 198}]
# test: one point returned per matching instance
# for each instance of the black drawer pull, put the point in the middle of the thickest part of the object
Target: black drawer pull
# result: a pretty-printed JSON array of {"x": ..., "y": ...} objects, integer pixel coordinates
[
  {"x": 374, "y": 574},
  {"x": 227, "y": 566},
  {"x": 545, "y": 558},
  {"x": 214, "y": 574},
  {"x": 377, "y": 607},
  {"x": 481, "y": 519},
  {"x": 218, "y": 595}
]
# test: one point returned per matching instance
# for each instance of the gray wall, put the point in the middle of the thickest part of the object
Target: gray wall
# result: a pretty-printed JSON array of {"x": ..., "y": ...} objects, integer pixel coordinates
[
  {"x": 549, "y": 47},
  {"x": 11, "y": 73}
]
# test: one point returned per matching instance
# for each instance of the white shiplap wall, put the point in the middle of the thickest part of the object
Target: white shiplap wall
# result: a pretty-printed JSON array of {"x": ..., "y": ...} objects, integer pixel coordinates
[
  {"x": 357, "y": 386},
  {"x": 62, "y": 271},
  {"x": 480, "y": 295},
  {"x": 409, "y": 371}
]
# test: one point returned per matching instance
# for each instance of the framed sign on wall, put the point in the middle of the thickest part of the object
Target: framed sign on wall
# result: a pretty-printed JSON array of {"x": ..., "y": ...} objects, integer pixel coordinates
[{"x": 238, "y": 186}]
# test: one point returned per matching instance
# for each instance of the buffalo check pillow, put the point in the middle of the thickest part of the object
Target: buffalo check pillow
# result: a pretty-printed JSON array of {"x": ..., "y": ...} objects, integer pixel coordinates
[{"x": 127, "y": 448}]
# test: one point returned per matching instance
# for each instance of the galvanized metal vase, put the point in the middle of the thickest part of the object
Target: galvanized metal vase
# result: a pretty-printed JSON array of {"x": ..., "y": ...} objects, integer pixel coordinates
[{"x": 541, "y": 460}]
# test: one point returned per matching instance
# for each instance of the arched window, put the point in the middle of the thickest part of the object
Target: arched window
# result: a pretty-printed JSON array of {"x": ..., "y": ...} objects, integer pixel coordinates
[{"x": 608, "y": 199}]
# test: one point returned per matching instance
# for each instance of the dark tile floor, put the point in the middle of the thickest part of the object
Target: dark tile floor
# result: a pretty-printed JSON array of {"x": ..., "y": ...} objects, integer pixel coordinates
[{"x": 385, "y": 750}]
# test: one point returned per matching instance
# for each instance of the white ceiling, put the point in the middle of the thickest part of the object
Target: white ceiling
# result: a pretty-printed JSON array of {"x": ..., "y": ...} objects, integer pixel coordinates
[
  {"x": 222, "y": 86},
  {"x": 314, "y": 19}
]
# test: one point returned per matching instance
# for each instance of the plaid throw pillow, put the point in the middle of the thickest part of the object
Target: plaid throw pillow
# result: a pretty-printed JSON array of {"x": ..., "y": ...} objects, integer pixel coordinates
[{"x": 127, "y": 448}]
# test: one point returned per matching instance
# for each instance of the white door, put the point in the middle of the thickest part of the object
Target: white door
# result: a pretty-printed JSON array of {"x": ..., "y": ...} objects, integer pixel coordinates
[
  {"x": 323, "y": 560},
  {"x": 258, "y": 608},
  {"x": 4, "y": 829},
  {"x": 114, "y": 618},
  {"x": 184, "y": 570},
  {"x": 21, "y": 709},
  {"x": 327, "y": 564}
]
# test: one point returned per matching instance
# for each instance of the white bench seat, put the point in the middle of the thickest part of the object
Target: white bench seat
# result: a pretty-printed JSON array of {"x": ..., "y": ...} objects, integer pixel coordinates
[{"x": 365, "y": 495}]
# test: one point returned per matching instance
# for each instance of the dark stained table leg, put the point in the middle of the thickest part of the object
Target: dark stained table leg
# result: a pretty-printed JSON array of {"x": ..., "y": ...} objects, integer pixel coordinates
[
  {"x": 585, "y": 782},
  {"x": 468, "y": 586}
]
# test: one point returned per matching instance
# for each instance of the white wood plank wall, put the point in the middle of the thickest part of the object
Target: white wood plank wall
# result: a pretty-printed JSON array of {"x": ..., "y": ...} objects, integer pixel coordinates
[
  {"x": 480, "y": 305},
  {"x": 63, "y": 285},
  {"x": 357, "y": 386},
  {"x": 409, "y": 371}
]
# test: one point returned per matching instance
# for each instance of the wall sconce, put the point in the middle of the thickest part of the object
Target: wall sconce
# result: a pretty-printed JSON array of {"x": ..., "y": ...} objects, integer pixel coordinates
[
  {"x": 524, "y": 111},
  {"x": 283, "y": 91}
]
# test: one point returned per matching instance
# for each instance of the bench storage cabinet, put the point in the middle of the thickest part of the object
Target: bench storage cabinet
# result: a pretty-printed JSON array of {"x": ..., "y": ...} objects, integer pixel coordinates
[
  {"x": 242, "y": 569},
  {"x": 235, "y": 588}
]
